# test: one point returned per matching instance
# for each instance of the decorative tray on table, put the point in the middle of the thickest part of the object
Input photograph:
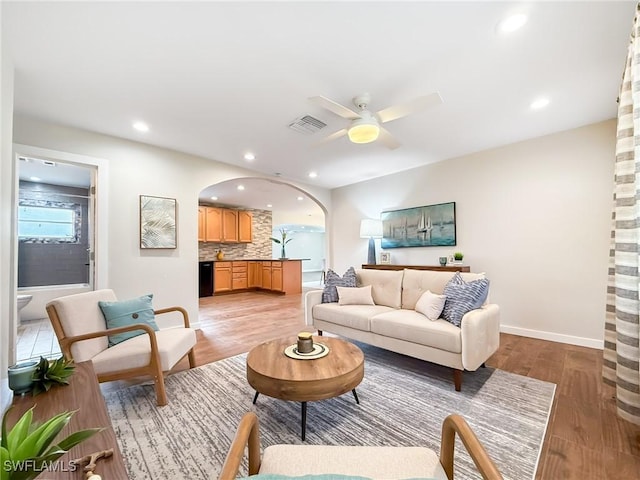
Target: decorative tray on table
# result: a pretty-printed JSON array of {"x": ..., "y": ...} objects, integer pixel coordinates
[{"x": 319, "y": 350}]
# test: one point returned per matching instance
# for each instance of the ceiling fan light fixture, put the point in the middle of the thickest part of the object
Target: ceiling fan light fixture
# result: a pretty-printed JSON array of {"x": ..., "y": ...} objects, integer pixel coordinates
[{"x": 364, "y": 131}]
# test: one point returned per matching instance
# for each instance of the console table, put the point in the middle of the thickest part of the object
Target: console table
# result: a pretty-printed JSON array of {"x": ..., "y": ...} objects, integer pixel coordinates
[
  {"x": 446, "y": 268},
  {"x": 82, "y": 394}
]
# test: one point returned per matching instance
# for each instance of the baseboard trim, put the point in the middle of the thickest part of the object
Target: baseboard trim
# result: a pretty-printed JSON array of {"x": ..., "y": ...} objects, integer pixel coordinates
[{"x": 554, "y": 337}]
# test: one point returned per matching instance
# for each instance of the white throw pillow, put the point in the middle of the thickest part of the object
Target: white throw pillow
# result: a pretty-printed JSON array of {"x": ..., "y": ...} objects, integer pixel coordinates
[
  {"x": 355, "y": 295},
  {"x": 430, "y": 305}
]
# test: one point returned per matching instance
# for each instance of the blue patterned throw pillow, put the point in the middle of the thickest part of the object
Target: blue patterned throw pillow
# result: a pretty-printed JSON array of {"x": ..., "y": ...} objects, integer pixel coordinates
[
  {"x": 333, "y": 280},
  {"x": 462, "y": 297}
]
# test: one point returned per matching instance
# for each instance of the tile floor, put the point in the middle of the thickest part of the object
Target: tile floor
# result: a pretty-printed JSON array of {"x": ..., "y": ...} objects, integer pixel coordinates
[{"x": 36, "y": 339}]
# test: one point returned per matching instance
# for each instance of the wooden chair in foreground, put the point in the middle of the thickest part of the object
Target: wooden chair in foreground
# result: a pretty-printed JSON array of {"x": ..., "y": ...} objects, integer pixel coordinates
[
  {"x": 372, "y": 462},
  {"x": 82, "y": 333}
]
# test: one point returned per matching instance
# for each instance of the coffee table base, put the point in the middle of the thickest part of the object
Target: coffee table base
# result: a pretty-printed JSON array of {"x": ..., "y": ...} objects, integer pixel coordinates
[{"x": 303, "y": 422}]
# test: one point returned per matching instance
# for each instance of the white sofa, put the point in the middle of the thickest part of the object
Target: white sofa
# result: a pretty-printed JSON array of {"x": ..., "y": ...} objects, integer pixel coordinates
[{"x": 393, "y": 324}]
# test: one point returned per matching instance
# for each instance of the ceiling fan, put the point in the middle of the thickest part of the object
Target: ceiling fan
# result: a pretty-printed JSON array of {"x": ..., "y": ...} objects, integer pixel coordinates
[{"x": 366, "y": 126}]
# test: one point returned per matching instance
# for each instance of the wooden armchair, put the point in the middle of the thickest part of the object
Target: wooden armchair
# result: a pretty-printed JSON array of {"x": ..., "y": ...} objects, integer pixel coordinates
[
  {"x": 82, "y": 333},
  {"x": 373, "y": 462}
]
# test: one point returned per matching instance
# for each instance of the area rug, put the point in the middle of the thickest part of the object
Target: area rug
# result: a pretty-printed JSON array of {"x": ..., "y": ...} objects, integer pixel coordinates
[{"x": 403, "y": 401}]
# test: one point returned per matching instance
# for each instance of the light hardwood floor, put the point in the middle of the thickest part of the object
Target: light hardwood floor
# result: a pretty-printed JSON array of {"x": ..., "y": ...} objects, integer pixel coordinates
[{"x": 585, "y": 439}]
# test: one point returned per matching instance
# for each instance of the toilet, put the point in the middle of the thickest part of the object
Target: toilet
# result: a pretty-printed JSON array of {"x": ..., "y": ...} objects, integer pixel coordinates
[{"x": 23, "y": 300}]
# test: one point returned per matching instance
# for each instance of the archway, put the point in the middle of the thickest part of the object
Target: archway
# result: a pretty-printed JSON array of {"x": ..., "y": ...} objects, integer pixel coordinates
[{"x": 274, "y": 205}]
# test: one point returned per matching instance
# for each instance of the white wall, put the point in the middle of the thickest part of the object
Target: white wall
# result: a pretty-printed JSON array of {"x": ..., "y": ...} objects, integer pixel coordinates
[
  {"x": 135, "y": 169},
  {"x": 535, "y": 216},
  {"x": 8, "y": 319}
]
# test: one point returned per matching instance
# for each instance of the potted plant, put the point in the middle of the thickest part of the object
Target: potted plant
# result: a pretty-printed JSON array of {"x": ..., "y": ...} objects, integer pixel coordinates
[
  {"x": 26, "y": 450},
  {"x": 283, "y": 240},
  {"x": 458, "y": 256},
  {"x": 50, "y": 373}
]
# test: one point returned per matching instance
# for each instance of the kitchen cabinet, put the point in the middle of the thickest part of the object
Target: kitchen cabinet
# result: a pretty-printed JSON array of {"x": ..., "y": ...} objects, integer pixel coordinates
[
  {"x": 213, "y": 224},
  {"x": 222, "y": 277},
  {"x": 239, "y": 276},
  {"x": 266, "y": 275},
  {"x": 229, "y": 225},
  {"x": 245, "y": 226},
  {"x": 254, "y": 274},
  {"x": 276, "y": 276},
  {"x": 224, "y": 225},
  {"x": 202, "y": 219}
]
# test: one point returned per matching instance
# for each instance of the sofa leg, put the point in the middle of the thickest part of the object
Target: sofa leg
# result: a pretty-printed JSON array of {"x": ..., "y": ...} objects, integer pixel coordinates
[
  {"x": 457, "y": 379},
  {"x": 319, "y": 333}
]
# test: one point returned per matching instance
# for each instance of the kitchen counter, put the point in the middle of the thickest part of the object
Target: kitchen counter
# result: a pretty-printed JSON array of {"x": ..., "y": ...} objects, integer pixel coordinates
[
  {"x": 233, "y": 275},
  {"x": 226, "y": 259}
]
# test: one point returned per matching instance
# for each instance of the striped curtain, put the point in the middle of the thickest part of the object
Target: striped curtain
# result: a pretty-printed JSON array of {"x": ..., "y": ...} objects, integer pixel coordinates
[{"x": 622, "y": 327}]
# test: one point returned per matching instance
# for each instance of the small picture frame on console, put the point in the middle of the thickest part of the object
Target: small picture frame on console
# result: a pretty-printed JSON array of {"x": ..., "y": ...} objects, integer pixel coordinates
[{"x": 385, "y": 258}]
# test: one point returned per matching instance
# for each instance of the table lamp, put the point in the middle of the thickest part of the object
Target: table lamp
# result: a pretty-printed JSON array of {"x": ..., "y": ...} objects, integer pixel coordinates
[{"x": 371, "y": 228}]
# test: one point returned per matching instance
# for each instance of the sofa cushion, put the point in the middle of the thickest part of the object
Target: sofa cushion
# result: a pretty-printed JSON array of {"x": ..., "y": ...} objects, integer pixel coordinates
[
  {"x": 411, "y": 326},
  {"x": 332, "y": 280},
  {"x": 353, "y": 316},
  {"x": 355, "y": 295},
  {"x": 462, "y": 297},
  {"x": 416, "y": 282},
  {"x": 386, "y": 285},
  {"x": 430, "y": 305}
]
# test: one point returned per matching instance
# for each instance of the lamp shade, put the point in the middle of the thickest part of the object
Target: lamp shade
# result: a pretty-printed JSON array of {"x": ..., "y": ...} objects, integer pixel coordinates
[
  {"x": 364, "y": 133},
  {"x": 371, "y": 228},
  {"x": 365, "y": 129}
]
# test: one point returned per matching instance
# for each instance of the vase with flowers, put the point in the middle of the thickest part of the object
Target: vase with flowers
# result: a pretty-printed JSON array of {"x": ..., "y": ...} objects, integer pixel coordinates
[{"x": 282, "y": 241}]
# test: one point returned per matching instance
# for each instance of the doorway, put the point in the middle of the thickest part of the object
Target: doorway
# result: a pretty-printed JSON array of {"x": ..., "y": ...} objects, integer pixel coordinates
[{"x": 55, "y": 228}]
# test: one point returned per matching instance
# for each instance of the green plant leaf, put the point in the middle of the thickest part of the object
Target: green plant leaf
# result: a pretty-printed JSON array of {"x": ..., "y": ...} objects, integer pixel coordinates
[
  {"x": 36, "y": 442},
  {"x": 275, "y": 239},
  {"x": 3, "y": 435},
  {"x": 50, "y": 373},
  {"x": 4, "y": 457},
  {"x": 20, "y": 430},
  {"x": 77, "y": 437}
]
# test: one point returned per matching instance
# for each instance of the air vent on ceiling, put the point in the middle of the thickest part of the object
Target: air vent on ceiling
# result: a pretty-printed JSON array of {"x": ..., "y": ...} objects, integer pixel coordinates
[{"x": 307, "y": 125}]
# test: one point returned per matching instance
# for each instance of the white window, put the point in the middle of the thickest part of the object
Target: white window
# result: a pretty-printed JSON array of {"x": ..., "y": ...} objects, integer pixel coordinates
[{"x": 46, "y": 222}]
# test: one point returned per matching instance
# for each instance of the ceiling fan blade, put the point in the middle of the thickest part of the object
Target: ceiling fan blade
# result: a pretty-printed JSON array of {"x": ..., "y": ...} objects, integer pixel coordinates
[
  {"x": 333, "y": 136},
  {"x": 387, "y": 139},
  {"x": 398, "y": 111},
  {"x": 334, "y": 107}
]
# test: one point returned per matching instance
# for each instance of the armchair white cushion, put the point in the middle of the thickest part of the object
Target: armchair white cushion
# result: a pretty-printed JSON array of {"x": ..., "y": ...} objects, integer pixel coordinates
[
  {"x": 82, "y": 333},
  {"x": 362, "y": 461}
]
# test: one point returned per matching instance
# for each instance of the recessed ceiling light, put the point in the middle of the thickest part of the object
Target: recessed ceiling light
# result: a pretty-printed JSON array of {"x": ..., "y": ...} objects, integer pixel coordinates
[
  {"x": 539, "y": 103},
  {"x": 141, "y": 126},
  {"x": 240, "y": 187},
  {"x": 313, "y": 174},
  {"x": 35, "y": 179},
  {"x": 214, "y": 198},
  {"x": 269, "y": 205},
  {"x": 300, "y": 198},
  {"x": 512, "y": 23},
  {"x": 249, "y": 156}
]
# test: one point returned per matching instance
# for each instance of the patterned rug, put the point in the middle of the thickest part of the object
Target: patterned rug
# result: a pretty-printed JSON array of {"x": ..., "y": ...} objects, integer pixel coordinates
[{"x": 402, "y": 402}]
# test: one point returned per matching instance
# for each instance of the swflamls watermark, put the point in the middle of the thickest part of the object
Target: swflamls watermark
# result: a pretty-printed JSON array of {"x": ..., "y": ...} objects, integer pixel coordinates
[{"x": 44, "y": 466}]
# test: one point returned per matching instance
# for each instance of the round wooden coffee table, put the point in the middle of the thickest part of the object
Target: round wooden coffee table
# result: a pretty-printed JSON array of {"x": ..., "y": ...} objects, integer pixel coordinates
[{"x": 271, "y": 372}]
